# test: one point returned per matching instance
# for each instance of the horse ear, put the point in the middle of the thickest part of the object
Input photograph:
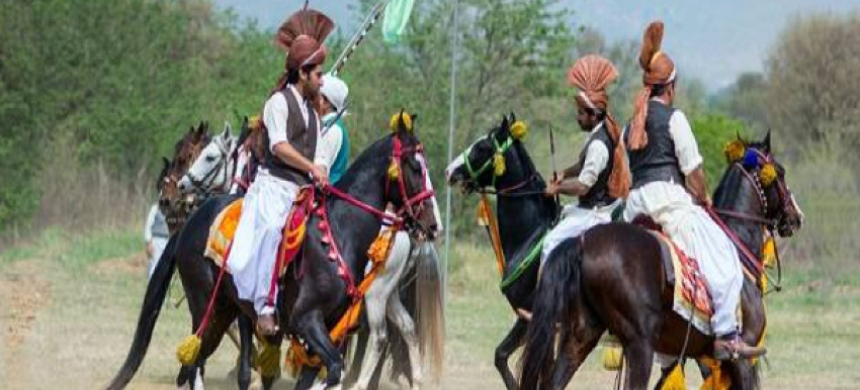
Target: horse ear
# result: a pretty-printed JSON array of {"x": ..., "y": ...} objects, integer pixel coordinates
[
  {"x": 414, "y": 118},
  {"x": 505, "y": 123},
  {"x": 227, "y": 130},
  {"x": 165, "y": 163},
  {"x": 513, "y": 117},
  {"x": 766, "y": 141}
]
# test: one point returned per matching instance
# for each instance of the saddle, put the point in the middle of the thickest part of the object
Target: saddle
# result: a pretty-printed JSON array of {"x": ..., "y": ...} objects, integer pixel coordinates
[
  {"x": 691, "y": 298},
  {"x": 224, "y": 229}
]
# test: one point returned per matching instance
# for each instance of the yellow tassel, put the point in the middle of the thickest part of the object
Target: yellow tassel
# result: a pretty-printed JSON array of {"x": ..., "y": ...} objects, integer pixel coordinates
[
  {"x": 519, "y": 130},
  {"x": 399, "y": 117},
  {"x": 612, "y": 358},
  {"x": 188, "y": 350},
  {"x": 269, "y": 361},
  {"x": 393, "y": 170},
  {"x": 768, "y": 253},
  {"x": 734, "y": 151},
  {"x": 498, "y": 164},
  {"x": 767, "y": 175},
  {"x": 717, "y": 380},
  {"x": 378, "y": 251},
  {"x": 675, "y": 380},
  {"x": 254, "y": 123}
]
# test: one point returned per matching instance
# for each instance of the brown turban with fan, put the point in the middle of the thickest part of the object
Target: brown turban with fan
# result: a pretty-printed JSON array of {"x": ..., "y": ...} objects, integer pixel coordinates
[
  {"x": 302, "y": 36},
  {"x": 591, "y": 75},
  {"x": 658, "y": 69}
]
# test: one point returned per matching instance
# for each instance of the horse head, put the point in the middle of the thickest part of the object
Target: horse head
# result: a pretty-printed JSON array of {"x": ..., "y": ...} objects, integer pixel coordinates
[
  {"x": 212, "y": 168},
  {"x": 173, "y": 204},
  {"x": 408, "y": 186},
  {"x": 768, "y": 196},
  {"x": 497, "y": 160}
]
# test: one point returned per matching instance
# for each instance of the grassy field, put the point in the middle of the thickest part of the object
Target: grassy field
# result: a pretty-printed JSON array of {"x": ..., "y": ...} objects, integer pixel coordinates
[{"x": 68, "y": 305}]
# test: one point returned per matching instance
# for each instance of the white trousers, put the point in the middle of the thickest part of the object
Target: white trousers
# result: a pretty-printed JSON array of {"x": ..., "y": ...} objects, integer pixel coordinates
[
  {"x": 695, "y": 233},
  {"x": 574, "y": 221},
  {"x": 258, "y": 234}
]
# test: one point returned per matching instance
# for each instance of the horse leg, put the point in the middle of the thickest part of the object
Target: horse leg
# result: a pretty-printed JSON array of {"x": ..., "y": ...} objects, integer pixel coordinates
[
  {"x": 312, "y": 329},
  {"x": 246, "y": 342},
  {"x": 639, "y": 355},
  {"x": 400, "y": 317},
  {"x": 307, "y": 376},
  {"x": 507, "y": 347},
  {"x": 375, "y": 309},
  {"x": 575, "y": 347}
]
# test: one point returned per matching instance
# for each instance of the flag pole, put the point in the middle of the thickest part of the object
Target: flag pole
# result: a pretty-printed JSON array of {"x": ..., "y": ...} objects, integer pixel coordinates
[
  {"x": 366, "y": 25},
  {"x": 452, "y": 122}
]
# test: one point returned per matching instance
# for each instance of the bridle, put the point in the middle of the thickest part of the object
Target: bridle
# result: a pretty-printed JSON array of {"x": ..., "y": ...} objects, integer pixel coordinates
[
  {"x": 412, "y": 207},
  {"x": 203, "y": 185},
  {"x": 498, "y": 150}
]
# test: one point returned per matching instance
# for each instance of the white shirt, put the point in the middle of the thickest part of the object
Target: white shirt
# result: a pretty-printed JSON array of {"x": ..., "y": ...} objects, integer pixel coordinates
[
  {"x": 329, "y": 143},
  {"x": 596, "y": 159},
  {"x": 686, "y": 148},
  {"x": 276, "y": 112}
]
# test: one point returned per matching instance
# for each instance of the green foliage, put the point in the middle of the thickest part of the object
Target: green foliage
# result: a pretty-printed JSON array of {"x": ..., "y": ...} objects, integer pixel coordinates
[{"x": 712, "y": 132}]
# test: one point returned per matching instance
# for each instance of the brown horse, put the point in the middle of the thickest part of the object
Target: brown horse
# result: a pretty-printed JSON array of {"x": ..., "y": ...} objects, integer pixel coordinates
[
  {"x": 612, "y": 279},
  {"x": 170, "y": 200}
]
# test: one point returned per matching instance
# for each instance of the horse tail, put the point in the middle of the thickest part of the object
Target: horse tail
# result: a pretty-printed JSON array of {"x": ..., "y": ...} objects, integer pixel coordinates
[
  {"x": 430, "y": 313},
  {"x": 156, "y": 291},
  {"x": 558, "y": 286}
]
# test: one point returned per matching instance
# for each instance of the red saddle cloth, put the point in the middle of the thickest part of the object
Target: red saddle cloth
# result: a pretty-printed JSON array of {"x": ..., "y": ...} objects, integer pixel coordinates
[{"x": 692, "y": 299}]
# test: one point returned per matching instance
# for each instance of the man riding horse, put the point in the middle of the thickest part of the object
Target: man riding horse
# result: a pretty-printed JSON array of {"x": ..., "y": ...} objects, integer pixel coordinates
[
  {"x": 600, "y": 177},
  {"x": 291, "y": 129},
  {"x": 668, "y": 182}
]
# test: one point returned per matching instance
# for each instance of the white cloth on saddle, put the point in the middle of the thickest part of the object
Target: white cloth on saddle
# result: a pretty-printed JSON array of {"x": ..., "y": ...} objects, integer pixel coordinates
[
  {"x": 695, "y": 233},
  {"x": 574, "y": 221},
  {"x": 258, "y": 234}
]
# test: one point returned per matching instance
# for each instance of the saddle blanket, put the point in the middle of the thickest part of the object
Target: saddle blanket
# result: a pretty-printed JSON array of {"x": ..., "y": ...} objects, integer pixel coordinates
[
  {"x": 690, "y": 297},
  {"x": 222, "y": 231}
]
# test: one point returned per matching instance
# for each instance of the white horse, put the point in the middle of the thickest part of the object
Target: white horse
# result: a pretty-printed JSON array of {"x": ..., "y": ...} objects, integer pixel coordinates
[
  {"x": 213, "y": 170},
  {"x": 411, "y": 263}
]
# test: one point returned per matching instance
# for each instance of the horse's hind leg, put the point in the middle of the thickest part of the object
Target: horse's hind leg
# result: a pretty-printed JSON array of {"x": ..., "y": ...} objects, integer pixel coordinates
[
  {"x": 639, "y": 355},
  {"x": 507, "y": 347},
  {"x": 575, "y": 347},
  {"x": 400, "y": 317},
  {"x": 307, "y": 376}
]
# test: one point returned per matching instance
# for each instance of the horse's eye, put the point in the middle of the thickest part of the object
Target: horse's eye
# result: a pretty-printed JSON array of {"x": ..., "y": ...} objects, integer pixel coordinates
[{"x": 210, "y": 158}]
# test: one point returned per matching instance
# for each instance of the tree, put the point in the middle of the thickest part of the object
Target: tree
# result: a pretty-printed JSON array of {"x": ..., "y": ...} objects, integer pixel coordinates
[{"x": 813, "y": 75}]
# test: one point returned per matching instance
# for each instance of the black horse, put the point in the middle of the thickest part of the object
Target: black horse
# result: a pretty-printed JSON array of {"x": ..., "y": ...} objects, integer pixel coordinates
[
  {"x": 612, "y": 279},
  {"x": 313, "y": 296},
  {"x": 525, "y": 215}
]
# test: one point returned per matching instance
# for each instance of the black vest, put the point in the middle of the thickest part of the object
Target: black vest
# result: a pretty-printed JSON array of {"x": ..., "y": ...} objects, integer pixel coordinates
[
  {"x": 598, "y": 194},
  {"x": 300, "y": 136},
  {"x": 657, "y": 161}
]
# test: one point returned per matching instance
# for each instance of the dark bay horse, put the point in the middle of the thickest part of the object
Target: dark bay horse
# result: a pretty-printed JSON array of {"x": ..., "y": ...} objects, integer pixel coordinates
[
  {"x": 524, "y": 216},
  {"x": 313, "y": 296},
  {"x": 612, "y": 279},
  {"x": 170, "y": 199}
]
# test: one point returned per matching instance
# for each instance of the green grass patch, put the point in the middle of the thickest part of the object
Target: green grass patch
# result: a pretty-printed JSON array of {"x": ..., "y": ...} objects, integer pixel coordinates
[{"x": 102, "y": 245}]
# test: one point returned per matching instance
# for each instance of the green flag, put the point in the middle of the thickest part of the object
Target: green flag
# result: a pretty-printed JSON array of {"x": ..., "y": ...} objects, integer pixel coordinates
[{"x": 396, "y": 16}]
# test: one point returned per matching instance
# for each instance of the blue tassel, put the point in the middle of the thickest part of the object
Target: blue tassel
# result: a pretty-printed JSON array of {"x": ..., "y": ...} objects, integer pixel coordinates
[{"x": 751, "y": 159}]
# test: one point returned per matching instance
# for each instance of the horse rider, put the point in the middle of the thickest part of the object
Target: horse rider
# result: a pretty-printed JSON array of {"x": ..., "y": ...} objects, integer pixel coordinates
[
  {"x": 333, "y": 146},
  {"x": 668, "y": 182},
  {"x": 291, "y": 128},
  {"x": 600, "y": 178}
]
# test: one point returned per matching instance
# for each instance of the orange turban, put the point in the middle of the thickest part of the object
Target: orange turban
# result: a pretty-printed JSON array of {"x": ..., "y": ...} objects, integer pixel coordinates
[
  {"x": 658, "y": 69},
  {"x": 591, "y": 75}
]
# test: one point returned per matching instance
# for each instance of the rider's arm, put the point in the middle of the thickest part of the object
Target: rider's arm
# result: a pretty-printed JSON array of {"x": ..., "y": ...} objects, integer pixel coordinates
[
  {"x": 689, "y": 159},
  {"x": 596, "y": 159},
  {"x": 275, "y": 117},
  {"x": 572, "y": 171}
]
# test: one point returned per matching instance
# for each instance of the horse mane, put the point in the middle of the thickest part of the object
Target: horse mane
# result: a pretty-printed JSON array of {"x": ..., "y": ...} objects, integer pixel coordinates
[{"x": 373, "y": 155}]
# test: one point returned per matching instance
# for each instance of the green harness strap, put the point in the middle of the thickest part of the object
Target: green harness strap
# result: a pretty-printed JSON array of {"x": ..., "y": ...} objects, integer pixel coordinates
[{"x": 524, "y": 265}]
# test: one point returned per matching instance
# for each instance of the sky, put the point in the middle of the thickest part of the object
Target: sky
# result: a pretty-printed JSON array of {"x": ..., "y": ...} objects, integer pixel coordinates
[{"x": 714, "y": 41}]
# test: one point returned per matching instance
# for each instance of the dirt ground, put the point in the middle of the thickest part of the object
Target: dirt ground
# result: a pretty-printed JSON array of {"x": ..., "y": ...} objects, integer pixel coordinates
[{"x": 68, "y": 310}]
